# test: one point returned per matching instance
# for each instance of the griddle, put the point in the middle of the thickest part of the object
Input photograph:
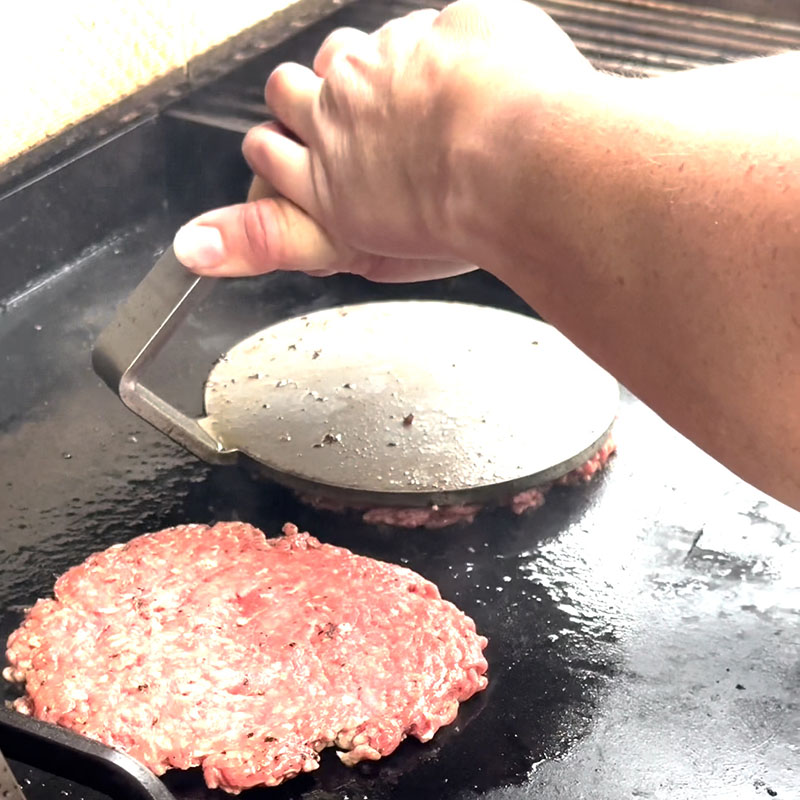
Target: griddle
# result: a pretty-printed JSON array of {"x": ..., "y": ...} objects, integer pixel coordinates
[{"x": 644, "y": 629}]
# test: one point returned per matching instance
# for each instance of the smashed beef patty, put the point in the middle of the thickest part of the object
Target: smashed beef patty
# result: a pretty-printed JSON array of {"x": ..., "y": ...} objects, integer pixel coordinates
[
  {"x": 216, "y": 647},
  {"x": 434, "y": 517}
]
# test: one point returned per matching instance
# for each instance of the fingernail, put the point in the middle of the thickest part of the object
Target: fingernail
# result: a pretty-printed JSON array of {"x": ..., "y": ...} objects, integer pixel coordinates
[{"x": 199, "y": 247}]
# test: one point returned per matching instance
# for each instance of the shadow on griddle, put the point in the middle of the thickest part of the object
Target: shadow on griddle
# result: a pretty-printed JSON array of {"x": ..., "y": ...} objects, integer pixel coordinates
[{"x": 10, "y": 620}]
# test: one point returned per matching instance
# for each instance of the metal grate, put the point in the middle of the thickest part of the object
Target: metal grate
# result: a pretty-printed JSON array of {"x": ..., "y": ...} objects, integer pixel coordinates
[
  {"x": 631, "y": 37},
  {"x": 643, "y": 37}
]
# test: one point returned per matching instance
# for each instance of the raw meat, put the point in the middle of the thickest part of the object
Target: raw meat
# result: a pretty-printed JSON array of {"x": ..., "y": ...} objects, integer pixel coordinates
[
  {"x": 587, "y": 470},
  {"x": 433, "y": 517},
  {"x": 215, "y": 647}
]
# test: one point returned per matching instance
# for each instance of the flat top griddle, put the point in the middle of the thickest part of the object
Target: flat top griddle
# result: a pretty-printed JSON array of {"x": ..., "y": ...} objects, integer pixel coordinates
[{"x": 644, "y": 629}]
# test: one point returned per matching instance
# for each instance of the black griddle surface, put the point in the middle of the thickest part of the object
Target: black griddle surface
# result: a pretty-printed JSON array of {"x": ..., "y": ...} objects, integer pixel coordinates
[{"x": 644, "y": 630}]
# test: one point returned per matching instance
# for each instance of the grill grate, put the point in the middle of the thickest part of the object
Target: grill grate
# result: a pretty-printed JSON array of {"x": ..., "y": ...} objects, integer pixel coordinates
[
  {"x": 630, "y": 37},
  {"x": 642, "y": 37}
]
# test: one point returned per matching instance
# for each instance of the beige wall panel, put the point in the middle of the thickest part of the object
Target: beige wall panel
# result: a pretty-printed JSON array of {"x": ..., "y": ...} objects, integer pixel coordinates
[
  {"x": 62, "y": 61},
  {"x": 209, "y": 24}
]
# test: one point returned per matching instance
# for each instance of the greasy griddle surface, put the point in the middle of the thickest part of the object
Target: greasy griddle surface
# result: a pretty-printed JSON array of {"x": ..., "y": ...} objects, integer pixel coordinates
[{"x": 644, "y": 635}]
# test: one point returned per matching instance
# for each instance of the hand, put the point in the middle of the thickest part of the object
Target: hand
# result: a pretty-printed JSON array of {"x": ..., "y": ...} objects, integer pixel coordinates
[
  {"x": 375, "y": 152},
  {"x": 269, "y": 233}
]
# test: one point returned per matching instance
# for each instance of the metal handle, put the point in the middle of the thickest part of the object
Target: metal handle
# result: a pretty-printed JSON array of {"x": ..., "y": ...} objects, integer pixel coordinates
[
  {"x": 259, "y": 189},
  {"x": 9, "y": 788},
  {"x": 141, "y": 327},
  {"x": 69, "y": 755}
]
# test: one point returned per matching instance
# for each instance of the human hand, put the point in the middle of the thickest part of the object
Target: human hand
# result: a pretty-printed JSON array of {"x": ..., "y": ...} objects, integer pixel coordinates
[{"x": 375, "y": 152}]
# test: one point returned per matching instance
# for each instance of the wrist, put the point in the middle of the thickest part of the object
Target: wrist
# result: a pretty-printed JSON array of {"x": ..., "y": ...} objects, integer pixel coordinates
[{"x": 519, "y": 169}]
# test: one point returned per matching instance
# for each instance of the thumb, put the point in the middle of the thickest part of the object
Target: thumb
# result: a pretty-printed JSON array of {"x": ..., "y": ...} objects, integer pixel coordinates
[{"x": 270, "y": 233}]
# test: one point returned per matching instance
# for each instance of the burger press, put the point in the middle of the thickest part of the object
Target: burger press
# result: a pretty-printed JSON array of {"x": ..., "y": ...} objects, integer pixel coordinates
[{"x": 401, "y": 403}]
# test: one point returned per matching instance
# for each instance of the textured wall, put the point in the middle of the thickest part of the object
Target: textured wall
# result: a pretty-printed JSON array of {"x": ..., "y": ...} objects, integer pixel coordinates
[{"x": 62, "y": 61}]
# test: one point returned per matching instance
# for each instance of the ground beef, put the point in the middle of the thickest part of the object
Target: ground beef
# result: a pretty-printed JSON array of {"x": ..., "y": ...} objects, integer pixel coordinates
[
  {"x": 433, "y": 517},
  {"x": 587, "y": 470},
  {"x": 215, "y": 647},
  {"x": 529, "y": 500}
]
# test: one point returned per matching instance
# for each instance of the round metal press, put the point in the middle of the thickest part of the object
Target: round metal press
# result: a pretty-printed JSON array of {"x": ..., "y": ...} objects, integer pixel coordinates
[{"x": 406, "y": 403}]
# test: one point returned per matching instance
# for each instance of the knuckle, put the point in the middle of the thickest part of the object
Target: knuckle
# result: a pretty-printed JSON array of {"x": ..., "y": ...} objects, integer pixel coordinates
[
  {"x": 270, "y": 89},
  {"x": 277, "y": 83},
  {"x": 336, "y": 37},
  {"x": 336, "y": 44},
  {"x": 250, "y": 143},
  {"x": 328, "y": 43},
  {"x": 256, "y": 147},
  {"x": 255, "y": 231}
]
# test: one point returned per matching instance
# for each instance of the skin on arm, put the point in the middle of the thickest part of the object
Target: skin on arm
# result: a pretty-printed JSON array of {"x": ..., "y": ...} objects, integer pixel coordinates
[
  {"x": 655, "y": 222},
  {"x": 673, "y": 223}
]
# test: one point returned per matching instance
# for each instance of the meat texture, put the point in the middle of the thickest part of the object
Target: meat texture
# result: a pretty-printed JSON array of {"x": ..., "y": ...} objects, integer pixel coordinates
[
  {"x": 433, "y": 517},
  {"x": 216, "y": 647}
]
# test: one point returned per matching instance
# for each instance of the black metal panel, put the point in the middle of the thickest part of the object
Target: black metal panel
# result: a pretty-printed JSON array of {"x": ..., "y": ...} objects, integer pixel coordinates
[
  {"x": 204, "y": 167},
  {"x": 48, "y": 222}
]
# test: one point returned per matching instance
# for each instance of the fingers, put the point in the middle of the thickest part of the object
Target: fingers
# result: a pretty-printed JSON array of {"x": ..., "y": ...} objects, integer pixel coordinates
[
  {"x": 352, "y": 40},
  {"x": 252, "y": 238},
  {"x": 342, "y": 40},
  {"x": 283, "y": 164},
  {"x": 273, "y": 234},
  {"x": 291, "y": 93}
]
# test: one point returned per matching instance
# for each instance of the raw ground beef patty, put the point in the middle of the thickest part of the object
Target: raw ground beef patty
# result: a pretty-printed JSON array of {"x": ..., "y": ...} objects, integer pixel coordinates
[
  {"x": 444, "y": 516},
  {"x": 217, "y": 647}
]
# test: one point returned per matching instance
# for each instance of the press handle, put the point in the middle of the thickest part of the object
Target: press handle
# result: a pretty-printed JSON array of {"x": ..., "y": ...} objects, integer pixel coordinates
[
  {"x": 259, "y": 189},
  {"x": 69, "y": 755},
  {"x": 139, "y": 330}
]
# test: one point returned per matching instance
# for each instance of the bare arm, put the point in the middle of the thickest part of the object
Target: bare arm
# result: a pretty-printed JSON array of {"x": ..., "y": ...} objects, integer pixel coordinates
[
  {"x": 672, "y": 249},
  {"x": 656, "y": 222}
]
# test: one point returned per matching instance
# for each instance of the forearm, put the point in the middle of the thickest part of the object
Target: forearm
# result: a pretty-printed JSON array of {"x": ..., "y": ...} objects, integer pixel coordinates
[
  {"x": 665, "y": 241},
  {"x": 656, "y": 222}
]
